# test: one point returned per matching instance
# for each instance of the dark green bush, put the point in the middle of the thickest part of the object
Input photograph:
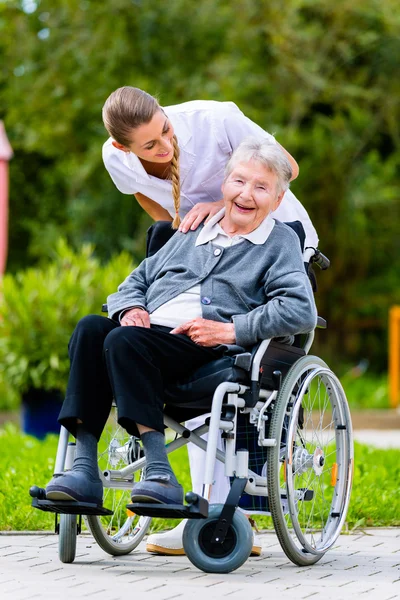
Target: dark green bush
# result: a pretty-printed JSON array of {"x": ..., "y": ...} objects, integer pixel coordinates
[{"x": 39, "y": 308}]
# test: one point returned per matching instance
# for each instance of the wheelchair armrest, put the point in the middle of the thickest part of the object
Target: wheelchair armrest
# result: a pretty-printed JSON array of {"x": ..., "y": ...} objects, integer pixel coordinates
[{"x": 243, "y": 361}]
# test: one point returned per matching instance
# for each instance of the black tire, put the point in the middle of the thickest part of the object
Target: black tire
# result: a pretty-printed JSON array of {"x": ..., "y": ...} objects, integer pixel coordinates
[
  {"x": 217, "y": 558},
  {"x": 67, "y": 538},
  {"x": 310, "y": 469}
]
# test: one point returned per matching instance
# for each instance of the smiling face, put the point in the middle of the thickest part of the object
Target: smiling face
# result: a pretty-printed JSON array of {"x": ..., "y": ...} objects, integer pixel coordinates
[
  {"x": 250, "y": 194},
  {"x": 152, "y": 141}
]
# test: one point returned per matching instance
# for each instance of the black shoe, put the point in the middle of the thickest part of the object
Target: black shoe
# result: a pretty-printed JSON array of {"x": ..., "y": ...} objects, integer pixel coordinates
[
  {"x": 75, "y": 485},
  {"x": 157, "y": 489}
]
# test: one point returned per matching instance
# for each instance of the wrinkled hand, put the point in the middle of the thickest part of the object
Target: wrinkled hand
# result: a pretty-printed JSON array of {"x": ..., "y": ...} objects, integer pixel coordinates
[
  {"x": 207, "y": 333},
  {"x": 199, "y": 212},
  {"x": 136, "y": 317}
]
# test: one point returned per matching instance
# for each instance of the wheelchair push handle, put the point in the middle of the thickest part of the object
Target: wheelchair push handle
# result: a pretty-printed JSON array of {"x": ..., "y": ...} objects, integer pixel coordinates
[
  {"x": 313, "y": 255},
  {"x": 321, "y": 260}
]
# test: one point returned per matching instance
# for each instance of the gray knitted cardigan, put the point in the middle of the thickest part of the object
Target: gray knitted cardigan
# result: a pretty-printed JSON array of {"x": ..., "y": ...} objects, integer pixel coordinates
[{"x": 263, "y": 289}]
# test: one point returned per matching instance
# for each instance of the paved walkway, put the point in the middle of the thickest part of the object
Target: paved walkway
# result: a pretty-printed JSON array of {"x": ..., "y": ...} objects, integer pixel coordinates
[
  {"x": 379, "y": 438},
  {"x": 365, "y": 565}
]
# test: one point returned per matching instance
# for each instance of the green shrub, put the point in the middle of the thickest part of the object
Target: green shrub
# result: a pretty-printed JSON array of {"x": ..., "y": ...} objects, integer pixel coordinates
[{"x": 39, "y": 308}]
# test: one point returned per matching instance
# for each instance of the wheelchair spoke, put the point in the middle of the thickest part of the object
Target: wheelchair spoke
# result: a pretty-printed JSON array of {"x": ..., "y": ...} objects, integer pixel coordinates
[
  {"x": 315, "y": 465},
  {"x": 121, "y": 532}
]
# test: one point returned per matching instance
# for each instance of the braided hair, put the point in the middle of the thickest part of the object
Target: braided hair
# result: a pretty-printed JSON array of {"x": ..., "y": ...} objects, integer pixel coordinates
[{"x": 129, "y": 107}]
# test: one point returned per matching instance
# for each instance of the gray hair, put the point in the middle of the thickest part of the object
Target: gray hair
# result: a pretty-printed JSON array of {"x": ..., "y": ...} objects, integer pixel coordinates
[{"x": 268, "y": 154}]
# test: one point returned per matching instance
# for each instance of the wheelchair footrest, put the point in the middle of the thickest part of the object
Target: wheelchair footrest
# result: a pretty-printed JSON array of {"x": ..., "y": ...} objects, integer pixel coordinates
[
  {"x": 197, "y": 508},
  {"x": 70, "y": 507}
]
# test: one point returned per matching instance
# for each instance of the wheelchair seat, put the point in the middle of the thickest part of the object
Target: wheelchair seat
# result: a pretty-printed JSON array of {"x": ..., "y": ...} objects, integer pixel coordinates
[{"x": 201, "y": 384}]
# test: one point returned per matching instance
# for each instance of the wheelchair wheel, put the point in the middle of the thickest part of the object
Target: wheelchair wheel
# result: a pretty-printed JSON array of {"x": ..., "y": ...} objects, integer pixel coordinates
[
  {"x": 67, "y": 538},
  {"x": 310, "y": 469},
  {"x": 218, "y": 558},
  {"x": 122, "y": 532}
]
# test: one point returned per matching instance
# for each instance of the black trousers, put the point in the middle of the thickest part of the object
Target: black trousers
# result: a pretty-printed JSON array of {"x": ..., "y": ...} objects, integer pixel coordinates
[{"x": 131, "y": 365}]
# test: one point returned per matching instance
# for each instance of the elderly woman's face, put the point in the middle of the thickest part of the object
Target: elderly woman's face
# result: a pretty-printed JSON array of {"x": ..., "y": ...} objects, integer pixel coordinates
[{"x": 250, "y": 194}]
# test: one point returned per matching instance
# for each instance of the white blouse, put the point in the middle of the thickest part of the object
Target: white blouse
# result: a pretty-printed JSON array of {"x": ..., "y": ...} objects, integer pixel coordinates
[{"x": 208, "y": 132}]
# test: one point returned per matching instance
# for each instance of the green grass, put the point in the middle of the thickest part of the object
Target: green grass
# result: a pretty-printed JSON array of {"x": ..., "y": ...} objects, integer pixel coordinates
[
  {"x": 369, "y": 391},
  {"x": 25, "y": 461}
]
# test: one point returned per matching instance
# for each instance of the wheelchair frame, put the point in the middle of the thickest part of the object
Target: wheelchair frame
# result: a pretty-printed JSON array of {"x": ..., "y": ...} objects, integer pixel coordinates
[{"x": 298, "y": 470}]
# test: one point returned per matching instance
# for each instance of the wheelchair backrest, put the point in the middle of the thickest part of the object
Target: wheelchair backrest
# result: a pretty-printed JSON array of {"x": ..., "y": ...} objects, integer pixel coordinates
[{"x": 161, "y": 231}]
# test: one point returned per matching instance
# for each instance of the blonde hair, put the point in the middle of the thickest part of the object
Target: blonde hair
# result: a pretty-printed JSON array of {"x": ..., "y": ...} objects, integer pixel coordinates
[{"x": 127, "y": 108}]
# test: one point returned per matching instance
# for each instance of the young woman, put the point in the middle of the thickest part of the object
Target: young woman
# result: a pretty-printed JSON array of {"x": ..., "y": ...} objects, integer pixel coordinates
[{"x": 172, "y": 159}]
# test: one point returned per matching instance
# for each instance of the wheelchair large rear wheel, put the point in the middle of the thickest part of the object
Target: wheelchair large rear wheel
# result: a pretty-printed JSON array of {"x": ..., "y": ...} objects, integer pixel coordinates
[
  {"x": 121, "y": 532},
  {"x": 310, "y": 469},
  {"x": 218, "y": 558}
]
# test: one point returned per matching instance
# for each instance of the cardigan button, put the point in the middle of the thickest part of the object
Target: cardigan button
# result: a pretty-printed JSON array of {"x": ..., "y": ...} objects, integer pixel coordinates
[
  {"x": 217, "y": 251},
  {"x": 205, "y": 300}
]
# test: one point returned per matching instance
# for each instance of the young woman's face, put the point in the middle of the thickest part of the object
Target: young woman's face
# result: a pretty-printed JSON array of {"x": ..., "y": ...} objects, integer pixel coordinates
[{"x": 152, "y": 141}]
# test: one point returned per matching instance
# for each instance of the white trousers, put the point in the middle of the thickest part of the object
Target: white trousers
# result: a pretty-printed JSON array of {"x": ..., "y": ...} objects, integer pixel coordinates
[{"x": 197, "y": 461}]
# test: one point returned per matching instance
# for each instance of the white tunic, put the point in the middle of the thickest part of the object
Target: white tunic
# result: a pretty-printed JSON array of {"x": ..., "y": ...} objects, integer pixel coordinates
[{"x": 208, "y": 132}]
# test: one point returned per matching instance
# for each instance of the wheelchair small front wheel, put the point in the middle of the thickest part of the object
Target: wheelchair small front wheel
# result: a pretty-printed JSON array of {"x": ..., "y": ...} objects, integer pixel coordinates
[
  {"x": 218, "y": 558},
  {"x": 67, "y": 538}
]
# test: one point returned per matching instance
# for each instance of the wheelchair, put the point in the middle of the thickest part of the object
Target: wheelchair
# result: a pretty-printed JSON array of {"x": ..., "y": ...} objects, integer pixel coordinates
[{"x": 287, "y": 430}]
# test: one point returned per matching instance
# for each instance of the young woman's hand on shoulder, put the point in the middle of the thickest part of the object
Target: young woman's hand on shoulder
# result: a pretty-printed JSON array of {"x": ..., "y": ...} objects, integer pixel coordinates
[{"x": 203, "y": 211}]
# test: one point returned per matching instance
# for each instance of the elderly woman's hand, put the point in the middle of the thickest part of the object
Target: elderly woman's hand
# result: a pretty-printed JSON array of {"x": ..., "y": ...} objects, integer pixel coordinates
[
  {"x": 207, "y": 333},
  {"x": 197, "y": 214},
  {"x": 136, "y": 317}
]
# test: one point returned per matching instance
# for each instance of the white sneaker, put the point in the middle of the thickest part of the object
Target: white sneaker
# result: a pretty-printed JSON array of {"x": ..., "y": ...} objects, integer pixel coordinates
[{"x": 170, "y": 542}]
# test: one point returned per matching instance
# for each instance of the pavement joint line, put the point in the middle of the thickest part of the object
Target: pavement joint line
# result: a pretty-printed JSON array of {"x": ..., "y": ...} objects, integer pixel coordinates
[
  {"x": 367, "y": 591},
  {"x": 52, "y": 571},
  {"x": 156, "y": 587},
  {"x": 95, "y": 592},
  {"x": 372, "y": 574},
  {"x": 213, "y": 584}
]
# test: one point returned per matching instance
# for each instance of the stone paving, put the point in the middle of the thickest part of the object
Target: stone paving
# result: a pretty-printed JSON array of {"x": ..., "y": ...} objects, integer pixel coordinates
[{"x": 362, "y": 565}]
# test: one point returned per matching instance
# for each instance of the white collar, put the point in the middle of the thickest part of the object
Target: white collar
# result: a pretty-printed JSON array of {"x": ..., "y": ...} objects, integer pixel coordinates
[{"x": 212, "y": 229}]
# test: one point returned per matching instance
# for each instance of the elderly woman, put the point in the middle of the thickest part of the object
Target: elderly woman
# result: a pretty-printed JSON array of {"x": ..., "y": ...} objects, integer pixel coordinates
[{"x": 235, "y": 281}]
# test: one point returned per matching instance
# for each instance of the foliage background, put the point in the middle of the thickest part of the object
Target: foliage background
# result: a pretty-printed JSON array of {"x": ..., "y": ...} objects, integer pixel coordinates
[{"x": 322, "y": 75}]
